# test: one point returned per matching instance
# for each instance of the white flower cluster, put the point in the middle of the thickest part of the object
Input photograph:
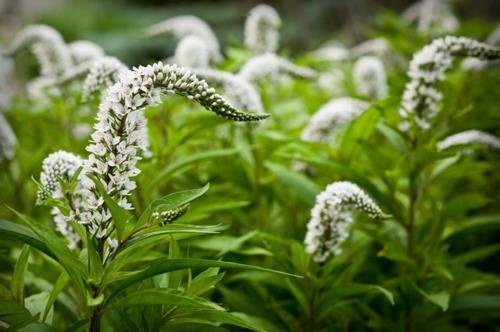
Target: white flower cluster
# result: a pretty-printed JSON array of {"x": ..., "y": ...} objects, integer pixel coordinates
[
  {"x": 332, "y": 215},
  {"x": 192, "y": 52},
  {"x": 84, "y": 51},
  {"x": 103, "y": 73},
  {"x": 421, "y": 97},
  {"x": 432, "y": 16},
  {"x": 59, "y": 166},
  {"x": 8, "y": 139},
  {"x": 47, "y": 45},
  {"x": 240, "y": 93},
  {"x": 262, "y": 29},
  {"x": 325, "y": 124},
  {"x": 331, "y": 53},
  {"x": 119, "y": 132},
  {"x": 271, "y": 65},
  {"x": 188, "y": 25},
  {"x": 470, "y": 137},
  {"x": 370, "y": 78}
]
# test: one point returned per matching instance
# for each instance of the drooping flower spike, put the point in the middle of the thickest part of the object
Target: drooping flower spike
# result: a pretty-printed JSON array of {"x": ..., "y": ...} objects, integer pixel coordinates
[
  {"x": 119, "y": 132},
  {"x": 6, "y": 66},
  {"x": 48, "y": 47},
  {"x": 331, "y": 53},
  {"x": 470, "y": 137},
  {"x": 478, "y": 65},
  {"x": 56, "y": 167},
  {"x": 187, "y": 25},
  {"x": 8, "y": 139},
  {"x": 270, "y": 66},
  {"x": 332, "y": 216},
  {"x": 84, "y": 51},
  {"x": 421, "y": 98},
  {"x": 262, "y": 29},
  {"x": 240, "y": 93},
  {"x": 376, "y": 47},
  {"x": 370, "y": 78},
  {"x": 432, "y": 17},
  {"x": 326, "y": 123},
  {"x": 192, "y": 52}
]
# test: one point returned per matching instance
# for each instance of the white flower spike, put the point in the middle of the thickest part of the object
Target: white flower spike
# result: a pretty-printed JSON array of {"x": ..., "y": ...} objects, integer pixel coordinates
[
  {"x": 270, "y": 66},
  {"x": 48, "y": 46},
  {"x": 470, "y": 137},
  {"x": 192, "y": 52},
  {"x": 188, "y": 25},
  {"x": 84, "y": 51},
  {"x": 421, "y": 97},
  {"x": 8, "y": 139},
  {"x": 262, "y": 29},
  {"x": 326, "y": 123},
  {"x": 59, "y": 166},
  {"x": 332, "y": 216},
  {"x": 370, "y": 78},
  {"x": 119, "y": 134}
]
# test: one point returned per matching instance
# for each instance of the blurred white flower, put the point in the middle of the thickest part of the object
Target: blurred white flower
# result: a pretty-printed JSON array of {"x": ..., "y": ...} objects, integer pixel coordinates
[
  {"x": 377, "y": 47},
  {"x": 421, "y": 97},
  {"x": 192, "y": 52},
  {"x": 332, "y": 216},
  {"x": 333, "y": 116},
  {"x": 188, "y": 25},
  {"x": 8, "y": 139},
  {"x": 47, "y": 45},
  {"x": 475, "y": 64},
  {"x": 370, "y": 78},
  {"x": 102, "y": 73},
  {"x": 262, "y": 29},
  {"x": 271, "y": 66},
  {"x": 470, "y": 137},
  {"x": 331, "y": 53},
  {"x": 83, "y": 51},
  {"x": 432, "y": 17}
]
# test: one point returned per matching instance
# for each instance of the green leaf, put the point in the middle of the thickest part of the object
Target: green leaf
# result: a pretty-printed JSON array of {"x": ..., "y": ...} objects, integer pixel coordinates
[
  {"x": 179, "y": 264},
  {"x": 205, "y": 281},
  {"x": 59, "y": 285},
  {"x": 393, "y": 136},
  {"x": 441, "y": 299},
  {"x": 359, "y": 130},
  {"x": 476, "y": 254},
  {"x": 120, "y": 216},
  {"x": 25, "y": 235},
  {"x": 170, "y": 202},
  {"x": 352, "y": 289},
  {"x": 17, "y": 283},
  {"x": 483, "y": 222},
  {"x": 166, "y": 296},
  {"x": 184, "y": 161},
  {"x": 37, "y": 327},
  {"x": 295, "y": 182},
  {"x": 37, "y": 303},
  {"x": 476, "y": 302},
  {"x": 14, "y": 314},
  {"x": 94, "y": 261}
]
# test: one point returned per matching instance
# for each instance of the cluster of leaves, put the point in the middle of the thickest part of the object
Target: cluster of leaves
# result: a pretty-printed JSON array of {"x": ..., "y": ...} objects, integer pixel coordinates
[{"x": 430, "y": 267}]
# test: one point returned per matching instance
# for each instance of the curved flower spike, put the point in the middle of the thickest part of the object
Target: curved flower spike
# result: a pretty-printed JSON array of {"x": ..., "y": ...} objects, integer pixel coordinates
[
  {"x": 478, "y": 65},
  {"x": 47, "y": 45},
  {"x": 270, "y": 65},
  {"x": 186, "y": 25},
  {"x": 332, "y": 215},
  {"x": 470, "y": 137},
  {"x": 325, "y": 124},
  {"x": 58, "y": 166},
  {"x": 8, "y": 139},
  {"x": 261, "y": 29},
  {"x": 376, "y": 46},
  {"x": 119, "y": 131},
  {"x": 427, "y": 68},
  {"x": 239, "y": 92},
  {"x": 192, "y": 52},
  {"x": 331, "y": 53},
  {"x": 370, "y": 78},
  {"x": 83, "y": 51}
]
